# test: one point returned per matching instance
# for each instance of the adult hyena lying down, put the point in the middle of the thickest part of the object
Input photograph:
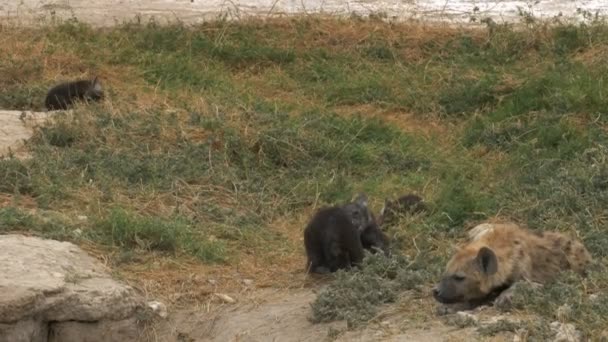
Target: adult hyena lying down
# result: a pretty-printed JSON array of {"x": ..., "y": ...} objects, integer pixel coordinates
[{"x": 499, "y": 255}]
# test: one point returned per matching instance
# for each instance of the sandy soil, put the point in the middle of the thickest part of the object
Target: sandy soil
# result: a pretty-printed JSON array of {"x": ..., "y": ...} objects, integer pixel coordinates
[
  {"x": 108, "y": 12},
  {"x": 282, "y": 315}
]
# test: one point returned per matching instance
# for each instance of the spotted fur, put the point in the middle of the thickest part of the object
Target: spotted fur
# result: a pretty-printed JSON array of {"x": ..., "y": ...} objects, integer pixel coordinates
[{"x": 499, "y": 255}]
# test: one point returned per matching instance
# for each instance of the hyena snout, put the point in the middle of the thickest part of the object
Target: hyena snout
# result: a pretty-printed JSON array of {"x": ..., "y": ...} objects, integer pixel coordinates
[
  {"x": 439, "y": 296},
  {"x": 446, "y": 293}
]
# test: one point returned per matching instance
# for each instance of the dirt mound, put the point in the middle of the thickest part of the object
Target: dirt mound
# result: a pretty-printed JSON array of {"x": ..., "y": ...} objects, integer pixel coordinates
[{"x": 282, "y": 315}]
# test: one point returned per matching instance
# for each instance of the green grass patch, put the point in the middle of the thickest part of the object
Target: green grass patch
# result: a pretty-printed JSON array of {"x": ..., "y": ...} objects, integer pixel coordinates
[{"x": 130, "y": 231}]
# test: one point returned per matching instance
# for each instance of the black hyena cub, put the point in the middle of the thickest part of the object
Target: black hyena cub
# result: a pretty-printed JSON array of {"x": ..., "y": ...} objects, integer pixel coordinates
[
  {"x": 64, "y": 95},
  {"x": 408, "y": 204},
  {"x": 336, "y": 236},
  {"x": 372, "y": 238}
]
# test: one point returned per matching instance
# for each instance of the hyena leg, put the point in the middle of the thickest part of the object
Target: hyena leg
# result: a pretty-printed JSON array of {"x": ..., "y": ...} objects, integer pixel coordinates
[
  {"x": 504, "y": 301},
  {"x": 315, "y": 265},
  {"x": 335, "y": 258},
  {"x": 316, "y": 260}
]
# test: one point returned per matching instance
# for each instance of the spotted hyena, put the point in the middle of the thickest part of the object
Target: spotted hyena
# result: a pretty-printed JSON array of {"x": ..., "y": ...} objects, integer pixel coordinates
[{"x": 499, "y": 255}]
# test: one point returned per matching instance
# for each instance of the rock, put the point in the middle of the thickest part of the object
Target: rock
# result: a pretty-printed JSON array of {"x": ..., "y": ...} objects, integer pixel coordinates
[
  {"x": 604, "y": 336},
  {"x": 94, "y": 331},
  {"x": 247, "y": 282},
  {"x": 501, "y": 319},
  {"x": 18, "y": 126},
  {"x": 462, "y": 319},
  {"x": 594, "y": 297},
  {"x": 49, "y": 288},
  {"x": 158, "y": 308},
  {"x": 564, "y": 312},
  {"x": 225, "y": 298},
  {"x": 566, "y": 332},
  {"x": 447, "y": 309},
  {"x": 24, "y": 331}
]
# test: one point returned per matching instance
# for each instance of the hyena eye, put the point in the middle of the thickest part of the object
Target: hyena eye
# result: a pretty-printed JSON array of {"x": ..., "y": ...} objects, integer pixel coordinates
[{"x": 458, "y": 277}]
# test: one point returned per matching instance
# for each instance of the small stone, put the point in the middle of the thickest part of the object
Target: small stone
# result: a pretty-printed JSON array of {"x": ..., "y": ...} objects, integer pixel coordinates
[
  {"x": 564, "y": 312},
  {"x": 212, "y": 281},
  {"x": 82, "y": 217},
  {"x": 462, "y": 319},
  {"x": 565, "y": 332},
  {"x": 247, "y": 282},
  {"x": 225, "y": 298},
  {"x": 158, "y": 308},
  {"x": 604, "y": 336},
  {"x": 467, "y": 316},
  {"x": 447, "y": 309},
  {"x": 501, "y": 318}
]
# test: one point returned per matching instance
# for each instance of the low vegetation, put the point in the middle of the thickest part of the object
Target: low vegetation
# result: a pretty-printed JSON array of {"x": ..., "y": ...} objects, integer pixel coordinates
[
  {"x": 218, "y": 141},
  {"x": 356, "y": 296}
]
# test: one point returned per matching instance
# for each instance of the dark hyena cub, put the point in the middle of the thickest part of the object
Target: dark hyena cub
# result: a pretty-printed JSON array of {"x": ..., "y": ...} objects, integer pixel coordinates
[
  {"x": 336, "y": 236},
  {"x": 332, "y": 241},
  {"x": 408, "y": 204},
  {"x": 372, "y": 238},
  {"x": 64, "y": 95}
]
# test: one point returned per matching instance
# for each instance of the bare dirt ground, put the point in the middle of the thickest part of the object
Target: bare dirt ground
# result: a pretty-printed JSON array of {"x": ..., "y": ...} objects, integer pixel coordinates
[{"x": 282, "y": 315}]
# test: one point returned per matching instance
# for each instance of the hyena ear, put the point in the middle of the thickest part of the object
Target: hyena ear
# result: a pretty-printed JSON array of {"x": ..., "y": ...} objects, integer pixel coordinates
[
  {"x": 96, "y": 84},
  {"x": 387, "y": 203},
  {"x": 361, "y": 200},
  {"x": 487, "y": 261}
]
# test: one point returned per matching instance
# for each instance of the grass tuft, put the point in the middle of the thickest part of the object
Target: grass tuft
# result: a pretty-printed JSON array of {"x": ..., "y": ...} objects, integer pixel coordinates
[{"x": 356, "y": 296}]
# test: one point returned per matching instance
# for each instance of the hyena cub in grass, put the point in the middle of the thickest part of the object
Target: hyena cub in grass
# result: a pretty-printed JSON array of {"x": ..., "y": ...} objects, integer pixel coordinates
[
  {"x": 64, "y": 95},
  {"x": 336, "y": 237},
  {"x": 499, "y": 255},
  {"x": 408, "y": 204},
  {"x": 372, "y": 238}
]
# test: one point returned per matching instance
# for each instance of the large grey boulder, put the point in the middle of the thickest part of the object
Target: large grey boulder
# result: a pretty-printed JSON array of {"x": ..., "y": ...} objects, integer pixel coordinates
[{"x": 53, "y": 291}]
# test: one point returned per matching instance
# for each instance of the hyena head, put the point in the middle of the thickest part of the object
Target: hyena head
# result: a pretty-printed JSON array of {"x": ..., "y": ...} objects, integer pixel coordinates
[
  {"x": 94, "y": 91},
  {"x": 465, "y": 276},
  {"x": 359, "y": 212}
]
